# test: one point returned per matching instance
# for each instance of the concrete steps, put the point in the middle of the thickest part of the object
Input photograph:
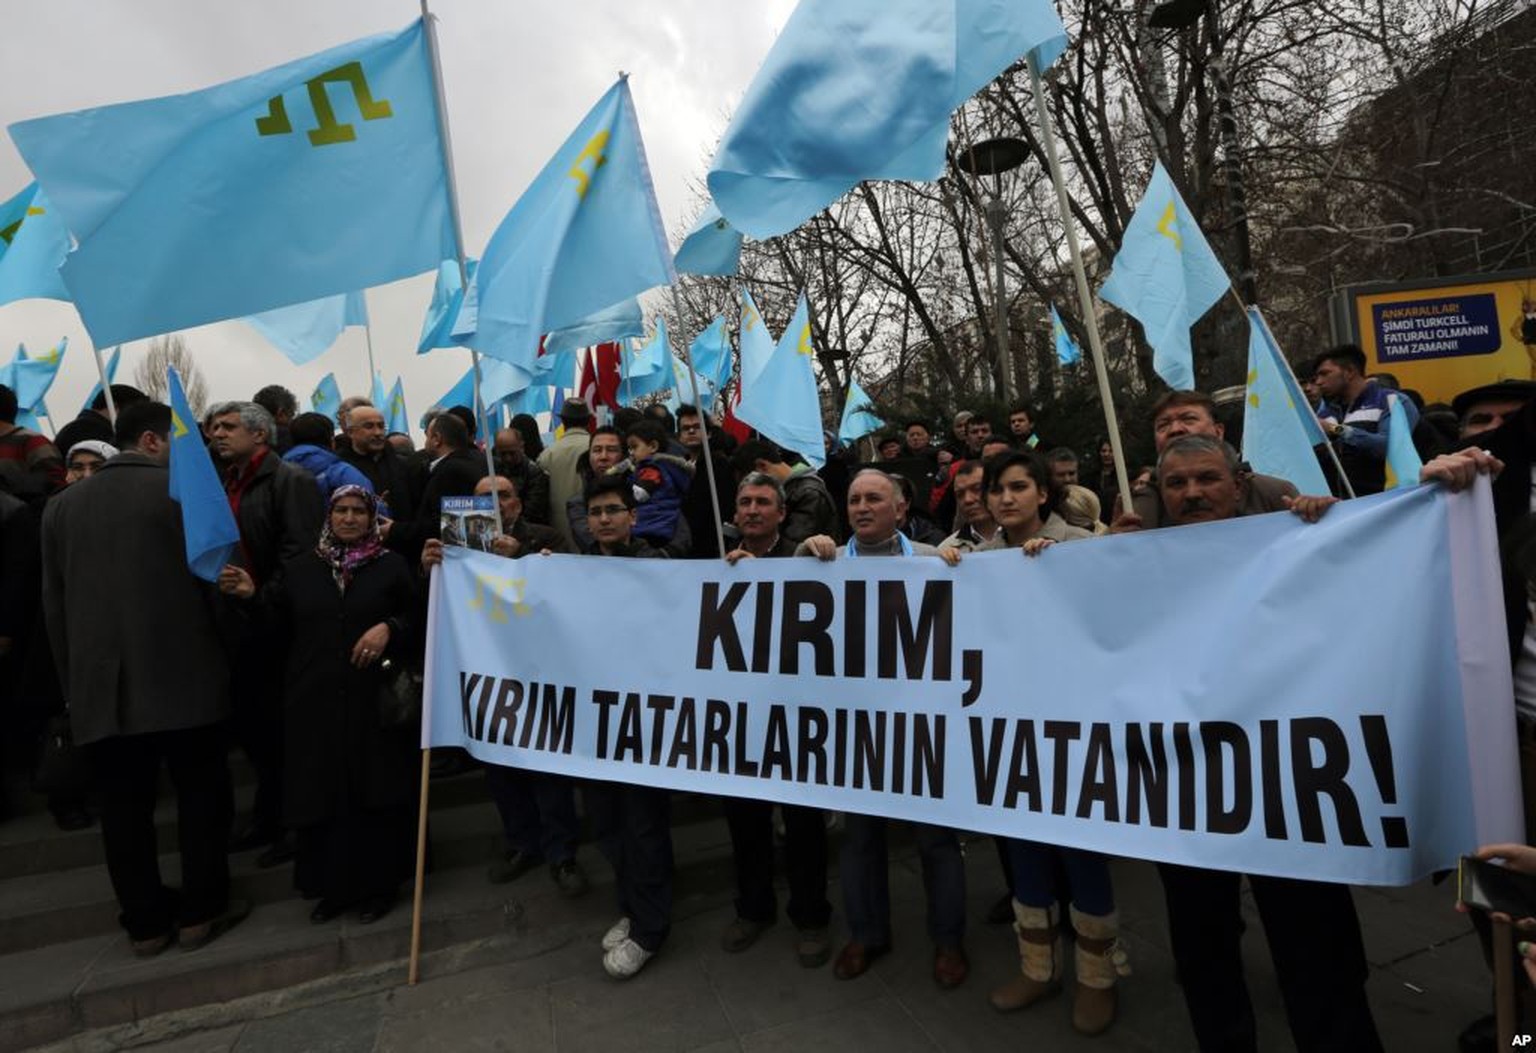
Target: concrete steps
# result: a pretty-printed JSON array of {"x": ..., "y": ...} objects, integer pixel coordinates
[{"x": 66, "y": 967}]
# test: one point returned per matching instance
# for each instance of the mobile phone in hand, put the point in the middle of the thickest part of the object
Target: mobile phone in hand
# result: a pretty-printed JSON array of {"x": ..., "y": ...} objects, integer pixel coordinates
[{"x": 1487, "y": 886}]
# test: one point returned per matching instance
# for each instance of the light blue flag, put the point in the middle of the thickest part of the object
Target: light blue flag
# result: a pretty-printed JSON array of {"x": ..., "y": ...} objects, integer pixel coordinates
[
  {"x": 534, "y": 400},
  {"x": 863, "y": 89},
  {"x": 447, "y": 298},
  {"x": 33, "y": 243},
  {"x": 756, "y": 341},
  {"x": 379, "y": 395},
  {"x": 1305, "y": 410},
  {"x": 117, "y": 353},
  {"x": 1403, "y": 461},
  {"x": 396, "y": 419},
  {"x": 461, "y": 394},
  {"x": 1275, "y": 439},
  {"x": 355, "y": 309},
  {"x": 1067, "y": 351},
  {"x": 713, "y": 246},
  {"x": 584, "y": 236},
  {"x": 618, "y": 322},
  {"x": 555, "y": 368},
  {"x": 491, "y": 420},
  {"x": 711, "y": 354},
  {"x": 782, "y": 401},
  {"x": 305, "y": 331},
  {"x": 682, "y": 388},
  {"x": 501, "y": 380},
  {"x": 859, "y": 417},
  {"x": 1166, "y": 277},
  {"x": 647, "y": 370},
  {"x": 206, "y": 520},
  {"x": 326, "y": 398},
  {"x": 312, "y": 179},
  {"x": 30, "y": 377}
]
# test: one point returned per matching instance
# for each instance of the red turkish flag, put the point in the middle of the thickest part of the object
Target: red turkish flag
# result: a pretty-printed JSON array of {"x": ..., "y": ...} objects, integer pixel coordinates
[
  {"x": 599, "y": 381},
  {"x": 741, "y": 432}
]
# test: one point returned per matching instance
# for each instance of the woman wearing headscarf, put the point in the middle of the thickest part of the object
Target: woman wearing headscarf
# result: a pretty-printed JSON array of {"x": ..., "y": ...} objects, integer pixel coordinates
[{"x": 350, "y": 777}]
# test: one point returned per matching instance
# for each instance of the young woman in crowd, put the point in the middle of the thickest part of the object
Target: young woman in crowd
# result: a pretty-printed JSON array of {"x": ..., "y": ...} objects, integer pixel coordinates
[{"x": 1019, "y": 496}]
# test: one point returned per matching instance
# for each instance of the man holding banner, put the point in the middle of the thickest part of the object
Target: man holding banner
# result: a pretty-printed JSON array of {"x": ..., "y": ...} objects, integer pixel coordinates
[
  {"x": 1312, "y": 928},
  {"x": 875, "y": 507},
  {"x": 632, "y": 823},
  {"x": 760, "y": 512}
]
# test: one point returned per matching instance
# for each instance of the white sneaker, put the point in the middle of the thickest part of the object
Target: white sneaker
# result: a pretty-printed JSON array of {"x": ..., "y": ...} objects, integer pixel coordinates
[
  {"x": 616, "y": 935},
  {"x": 625, "y": 960}
]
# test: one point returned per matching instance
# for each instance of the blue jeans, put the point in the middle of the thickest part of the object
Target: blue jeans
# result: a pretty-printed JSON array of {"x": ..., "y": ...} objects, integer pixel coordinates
[
  {"x": 867, "y": 887},
  {"x": 633, "y": 826},
  {"x": 538, "y": 811},
  {"x": 1035, "y": 870}
]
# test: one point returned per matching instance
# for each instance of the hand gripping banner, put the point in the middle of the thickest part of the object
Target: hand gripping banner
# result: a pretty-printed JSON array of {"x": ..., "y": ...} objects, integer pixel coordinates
[{"x": 1330, "y": 701}]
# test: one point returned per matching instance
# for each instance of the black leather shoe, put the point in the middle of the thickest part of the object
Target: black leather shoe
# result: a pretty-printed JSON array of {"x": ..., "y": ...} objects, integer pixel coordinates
[
  {"x": 253, "y": 836},
  {"x": 515, "y": 865},
  {"x": 281, "y": 851},
  {"x": 374, "y": 908},
  {"x": 327, "y": 910}
]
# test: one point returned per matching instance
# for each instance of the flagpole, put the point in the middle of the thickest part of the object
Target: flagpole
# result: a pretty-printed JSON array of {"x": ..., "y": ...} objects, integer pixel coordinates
[
  {"x": 430, "y": 22},
  {"x": 373, "y": 370},
  {"x": 1080, "y": 276},
  {"x": 106, "y": 388},
  {"x": 709, "y": 460},
  {"x": 1332, "y": 453},
  {"x": 413, "y": 972}
]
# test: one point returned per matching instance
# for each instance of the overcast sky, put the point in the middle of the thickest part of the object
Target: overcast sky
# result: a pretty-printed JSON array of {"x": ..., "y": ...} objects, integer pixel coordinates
[{"x": 519, "y": 76}]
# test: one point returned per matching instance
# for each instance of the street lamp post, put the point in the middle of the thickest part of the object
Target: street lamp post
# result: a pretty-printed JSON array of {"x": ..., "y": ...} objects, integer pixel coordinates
[{"x": 993, "y": 157}]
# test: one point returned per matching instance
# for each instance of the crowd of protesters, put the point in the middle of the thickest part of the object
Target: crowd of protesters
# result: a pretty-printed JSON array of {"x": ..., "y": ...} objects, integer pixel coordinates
[{"x": 111, "y": 649}]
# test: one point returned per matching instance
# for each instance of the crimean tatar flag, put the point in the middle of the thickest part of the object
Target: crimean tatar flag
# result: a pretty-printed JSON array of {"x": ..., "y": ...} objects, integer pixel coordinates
[
  {"x": 326, "y": 398},
  {"x": 584, "y": 236},
  {"x": 782, "y": 401},
  {"x": 33, "y": 243},
  {"x": 1166, "y": 277},
  {"x": 1276, "y": 436},
  {"x": 312, "y": 179},
  {"x": 863, "y": 89},
  {"x": 305, "y": 331},
  {"x": 206, "y": 520},
  {"x": 859, "y": 417}
]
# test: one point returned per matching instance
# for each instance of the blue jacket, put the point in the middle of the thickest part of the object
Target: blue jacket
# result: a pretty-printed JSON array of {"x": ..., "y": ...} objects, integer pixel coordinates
[
  {"x": 656, "y": 518},
  {"x": 330, "y": 471}
]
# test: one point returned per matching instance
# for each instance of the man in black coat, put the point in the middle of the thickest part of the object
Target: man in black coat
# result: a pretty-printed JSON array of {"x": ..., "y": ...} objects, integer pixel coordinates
[
  {"x": 393, "y": 476},
  {"x": 144, "y": 669},
  {"x": 279, "y": 511},
  {"x": 455, "y": 467},
  {"x": 537, "y": 809},
  {"x": 513, "y": 462}
]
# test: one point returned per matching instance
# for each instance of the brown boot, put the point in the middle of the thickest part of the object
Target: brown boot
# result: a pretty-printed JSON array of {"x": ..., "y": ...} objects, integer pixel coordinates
[
  {"x": 1100, "y": 960},
  {"x": 1039, "y": 969}
]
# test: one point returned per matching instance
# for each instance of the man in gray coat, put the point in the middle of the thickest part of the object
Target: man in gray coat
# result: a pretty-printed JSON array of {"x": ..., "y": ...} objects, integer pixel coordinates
[{"x": 147, "y": 680}]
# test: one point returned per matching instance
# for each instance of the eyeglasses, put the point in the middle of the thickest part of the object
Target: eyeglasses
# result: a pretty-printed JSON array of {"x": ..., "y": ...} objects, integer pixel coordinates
[{"x": 606, "y": 511}]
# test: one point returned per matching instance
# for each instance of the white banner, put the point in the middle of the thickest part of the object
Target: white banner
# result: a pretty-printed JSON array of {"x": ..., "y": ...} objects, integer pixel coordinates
[{"x": 1330, "y": 701}]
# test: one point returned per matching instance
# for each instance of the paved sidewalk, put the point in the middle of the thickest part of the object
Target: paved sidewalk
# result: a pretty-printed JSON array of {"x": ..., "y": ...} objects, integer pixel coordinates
[{"x": 546, "y": 989}]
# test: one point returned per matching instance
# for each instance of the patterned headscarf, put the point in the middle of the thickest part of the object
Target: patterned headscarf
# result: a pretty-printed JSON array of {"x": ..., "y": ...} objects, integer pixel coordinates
[{"x": 345, "y": 558}]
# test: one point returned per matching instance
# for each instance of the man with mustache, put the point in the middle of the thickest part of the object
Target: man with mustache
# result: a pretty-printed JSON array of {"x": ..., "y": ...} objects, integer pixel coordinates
[{"x": 1313, "y": 931}]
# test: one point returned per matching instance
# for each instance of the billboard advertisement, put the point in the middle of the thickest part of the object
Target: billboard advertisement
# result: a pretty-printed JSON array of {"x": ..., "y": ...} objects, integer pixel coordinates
[{"x": 1442, "y": 336}]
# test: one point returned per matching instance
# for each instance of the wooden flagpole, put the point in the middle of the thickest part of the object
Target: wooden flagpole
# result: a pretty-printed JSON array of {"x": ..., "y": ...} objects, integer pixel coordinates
[{"x": 1080, "y": 276}]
